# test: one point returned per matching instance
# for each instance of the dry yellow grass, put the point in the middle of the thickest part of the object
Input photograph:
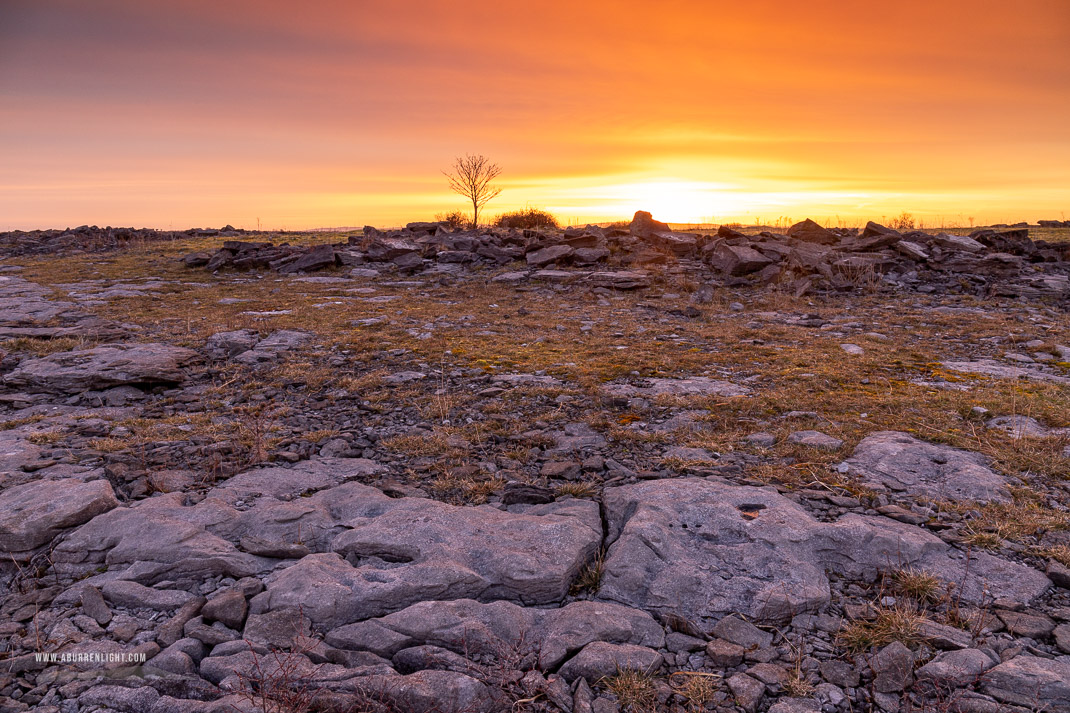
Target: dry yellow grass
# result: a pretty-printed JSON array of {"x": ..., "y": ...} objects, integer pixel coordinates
[
  {"x": 635, "y": 690},
  {"x": 44, "y": 347},
  {"x": 898, "y": 623},
  {"x": 590, "y": 578},
  {"x": 494, "y": 328}
]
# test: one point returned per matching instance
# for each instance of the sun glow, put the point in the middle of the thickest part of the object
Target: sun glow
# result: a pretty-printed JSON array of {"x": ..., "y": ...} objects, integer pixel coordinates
[{"x": 672, "y": 201}]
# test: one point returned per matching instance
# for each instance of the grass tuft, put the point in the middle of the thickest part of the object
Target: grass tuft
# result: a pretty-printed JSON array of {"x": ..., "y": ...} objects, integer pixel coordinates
[
  {"x": 899, "y": 623},
  {"x": 590, "y": 578},
  {"x": 918, "y": 585},
  {"x": 635, "y": 690},
  {"x": 697, "y": 687}
]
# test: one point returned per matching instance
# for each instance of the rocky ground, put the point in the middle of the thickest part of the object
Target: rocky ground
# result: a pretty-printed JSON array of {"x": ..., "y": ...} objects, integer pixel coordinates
[{"x": 593, "y": 470}]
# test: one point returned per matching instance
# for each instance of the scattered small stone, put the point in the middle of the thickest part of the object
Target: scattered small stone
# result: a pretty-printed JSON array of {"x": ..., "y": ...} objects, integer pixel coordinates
[{"x": 815, "y": 439}]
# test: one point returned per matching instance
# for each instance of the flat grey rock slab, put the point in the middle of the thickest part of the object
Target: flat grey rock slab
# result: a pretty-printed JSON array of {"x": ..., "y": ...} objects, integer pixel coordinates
[
  {"x": 33, "y": 513},
  {"x": 990, "y": 367},
  {"x": 956, "y": 668},
  {"x": 510, "y": 277},
  {"x": 899, "y": 463},
  {"x": 427, "y": 690},
  {"x": 103, "y": 367},
  {"x": 1018, "y": 426},
  {"x": 281, "y": 510},
  {"x": 273, "y": 346},
  {"x": 815, "y": 439},
  {"x": 692, "y": 386},
  {"x": 27, "y": 304},
  {"x": 224, "y": 345},
  {"x": 702, "y": 548},
  {"x": 396, "y": 552},
  {"x": 138, "y": 596},
  {"x": 576, "y": 437},
  {"x": 303, "y": 478},
  {"x": 15, "y": 452},
  {"x": 469, "y": 627},
  {"x": 1031, "y": 681},
  {"x": 698, "y": 455},
  {"x": 619, "y": 280},
  {"x": 600, "y": 659},
  {"x": 153, "y": 540},
  {"x": 540, "y": 380}
]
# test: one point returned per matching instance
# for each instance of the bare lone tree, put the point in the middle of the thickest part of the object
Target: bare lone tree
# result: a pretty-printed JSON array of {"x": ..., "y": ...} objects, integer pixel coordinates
[{"x": 471, "y": 176}]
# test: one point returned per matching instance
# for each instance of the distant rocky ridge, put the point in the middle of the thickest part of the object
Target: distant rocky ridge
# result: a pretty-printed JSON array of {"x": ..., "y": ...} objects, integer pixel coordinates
[
  {"x": 807, "y": 257},
  {"x": 91, "y": 239}
]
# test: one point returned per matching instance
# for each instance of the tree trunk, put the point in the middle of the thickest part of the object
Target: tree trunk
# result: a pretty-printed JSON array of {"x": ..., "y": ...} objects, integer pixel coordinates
[{"x": 475, "y": 214}]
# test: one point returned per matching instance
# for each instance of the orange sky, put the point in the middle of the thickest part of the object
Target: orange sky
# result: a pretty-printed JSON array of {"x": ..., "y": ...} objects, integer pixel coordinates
[{"x": 320, "y": 113}]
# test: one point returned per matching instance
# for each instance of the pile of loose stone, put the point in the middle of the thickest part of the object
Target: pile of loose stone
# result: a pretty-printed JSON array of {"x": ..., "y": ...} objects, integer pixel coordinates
[
  {"x": 327, "y": 572},
  {"x": 807, "y": 258},
  {"x": 92, "y": 239}
]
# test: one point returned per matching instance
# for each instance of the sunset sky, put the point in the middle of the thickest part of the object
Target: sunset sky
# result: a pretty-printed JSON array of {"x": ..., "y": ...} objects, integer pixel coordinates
[{"x": 298, "y": 115}]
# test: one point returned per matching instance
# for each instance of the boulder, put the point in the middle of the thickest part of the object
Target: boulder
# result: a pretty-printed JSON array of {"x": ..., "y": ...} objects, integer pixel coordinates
[
  {"x": 643, "y": 225},
  {"x": 388, "y": 249},
  {"x": 315, "y": 258},
  {"x": 724, "y": 231},
  {"x": 33, "y": 513},
  {"x": 893, "y": 668},
  {"x": 426, "y": 226},
  {"x": 548, "y": 255},
  {"x": 914, "y": 251},
  {"x": 873, "y": 230},
  {"x": 747, "y": 691},
  {"x": 811, "y": 258},
  {"x": 224, "y": 345},
  {"x": 956, "y": 243},
  {"x": 742, "y": 633},
  {"x": 810, "y": 232},
  {"x": 589, "y": 256},
  {"x": 229, "y": 608},
  {"x": 737, "y": 260},
  {"x": 196, "y": 259},
  {"x": 103, "y": 367},
  {"x": 679, "y": 244}
]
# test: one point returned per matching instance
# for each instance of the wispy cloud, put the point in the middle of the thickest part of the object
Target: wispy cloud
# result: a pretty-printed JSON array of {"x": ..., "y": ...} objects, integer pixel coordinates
[{"x": 201, "y": 112}]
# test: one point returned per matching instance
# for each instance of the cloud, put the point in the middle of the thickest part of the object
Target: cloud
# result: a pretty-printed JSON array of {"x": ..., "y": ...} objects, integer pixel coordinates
[{"x": 256, "y": 100}]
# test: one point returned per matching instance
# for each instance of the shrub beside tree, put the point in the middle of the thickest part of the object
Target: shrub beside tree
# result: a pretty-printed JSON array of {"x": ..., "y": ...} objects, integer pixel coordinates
[{"x": 528, "y": 218}]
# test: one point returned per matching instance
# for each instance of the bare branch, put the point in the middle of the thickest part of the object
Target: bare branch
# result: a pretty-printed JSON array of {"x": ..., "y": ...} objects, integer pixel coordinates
[{"x": 471, "y": 177}]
